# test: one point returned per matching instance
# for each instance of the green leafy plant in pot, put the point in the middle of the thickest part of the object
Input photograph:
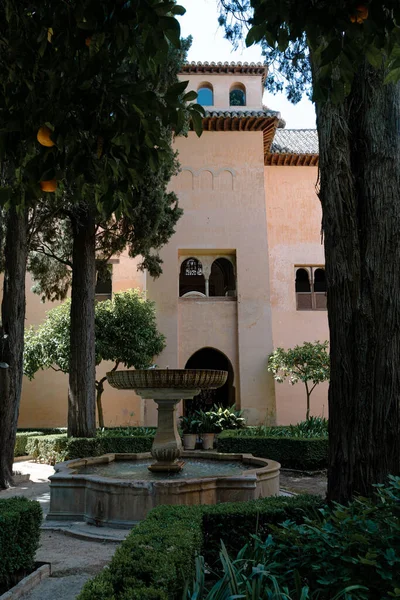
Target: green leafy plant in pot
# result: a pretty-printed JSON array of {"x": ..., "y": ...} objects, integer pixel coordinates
[
  {"x": 209, "y": 426},
  {"x": 190, "y": 426}
]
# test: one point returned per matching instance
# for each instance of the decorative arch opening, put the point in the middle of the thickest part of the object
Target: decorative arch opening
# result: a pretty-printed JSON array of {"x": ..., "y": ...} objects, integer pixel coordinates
[
  {"x": 205, "y": 94},
  {"x": 302, "y": 281},
  {"x": 222, "y": 278},
  {"x": 210, "y": 358},
  {"x": 191, "y": 277},
  {"x": 237, "y": 95},
  {"x": 319, "y": 280}
]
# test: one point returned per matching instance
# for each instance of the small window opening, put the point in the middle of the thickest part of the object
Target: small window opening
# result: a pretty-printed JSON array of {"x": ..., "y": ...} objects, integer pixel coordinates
[
  {"x": 237, "y": 95},
  {"x": 103, "y": 289},
  {"x": 311, "y": 288},
  {"x": 191, "y": 278},
  {"x": 222, "y": 278},
  {"x": 205, "y": 94}
]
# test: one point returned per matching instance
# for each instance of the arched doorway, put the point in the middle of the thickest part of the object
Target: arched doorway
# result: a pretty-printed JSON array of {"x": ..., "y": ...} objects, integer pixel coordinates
[{"x": 210, "y": 358}]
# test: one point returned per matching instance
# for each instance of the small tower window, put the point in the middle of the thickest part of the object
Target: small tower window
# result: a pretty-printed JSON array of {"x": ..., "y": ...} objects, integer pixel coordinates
[
  {"x": 191, "y": 278},
  {"x": 237, "y": 95},
  {"x": 205, "y": 94},
  {"x": 222, "y": 278},
  {"x": 310, "y": 288},
  {"x": 103, "y": 289}
]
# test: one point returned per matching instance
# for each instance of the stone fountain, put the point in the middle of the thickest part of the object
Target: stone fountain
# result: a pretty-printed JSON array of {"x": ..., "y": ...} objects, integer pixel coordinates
[
  {"x": 167, "y": 387},
  {"x": 118, "y": 490}
]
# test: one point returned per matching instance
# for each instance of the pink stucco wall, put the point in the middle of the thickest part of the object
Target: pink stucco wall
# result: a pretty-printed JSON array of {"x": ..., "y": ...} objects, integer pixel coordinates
[{"x": 294, "y": 238}]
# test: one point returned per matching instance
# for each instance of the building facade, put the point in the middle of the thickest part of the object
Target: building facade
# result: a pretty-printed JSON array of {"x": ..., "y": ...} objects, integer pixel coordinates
[{"x": 244, "y": 272}]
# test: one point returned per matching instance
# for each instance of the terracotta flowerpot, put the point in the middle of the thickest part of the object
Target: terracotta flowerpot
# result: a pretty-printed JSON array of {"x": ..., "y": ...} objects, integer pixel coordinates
[
  {"x": 208, "y": 441},
  {"x": 189, "y": 441}
]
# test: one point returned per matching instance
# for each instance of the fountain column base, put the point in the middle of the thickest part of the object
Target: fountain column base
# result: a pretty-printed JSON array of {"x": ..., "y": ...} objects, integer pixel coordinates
[{"x": 167, "y": 445}]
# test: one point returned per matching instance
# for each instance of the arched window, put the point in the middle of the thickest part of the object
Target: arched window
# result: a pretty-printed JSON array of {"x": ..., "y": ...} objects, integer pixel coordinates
[
  {"x": 302, "y": 281},
  {"x": 222, "y": 278},
  {"x": 319, "y": 280},
  {"x": 205, "y": 94},
  {"x": 237, "y": 95},
  {"x": 103, "y": 290},
  {"x": 191, "y": 278},
  {"x": 310, "y": 288}
]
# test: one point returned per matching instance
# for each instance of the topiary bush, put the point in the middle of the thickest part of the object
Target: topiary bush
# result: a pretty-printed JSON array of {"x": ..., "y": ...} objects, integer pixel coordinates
[
  {"x": 20, "y": 521},
  {"x": 154, "y": 561},
  {"x": 234, "y": 522},
  {"x": 292, "y": 453},
  {"x": 21, "y": 441},
  {"x": 52, "y": 449}
]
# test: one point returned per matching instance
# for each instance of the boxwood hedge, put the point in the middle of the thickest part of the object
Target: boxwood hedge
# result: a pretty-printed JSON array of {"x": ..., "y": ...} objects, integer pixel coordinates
[
  {"x": 57, "y": 448},
  {"x": 292, "y": 453},
  {"x": 20, "y": 521},
  {"x": 158, "y": 556},
  {"x": 22, "y": 440}
]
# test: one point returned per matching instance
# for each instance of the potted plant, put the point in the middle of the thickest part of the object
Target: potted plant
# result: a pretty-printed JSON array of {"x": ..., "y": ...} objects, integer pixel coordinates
[
  {"x": 209, "y": 426},
  {"x": 190, "y": 428}
]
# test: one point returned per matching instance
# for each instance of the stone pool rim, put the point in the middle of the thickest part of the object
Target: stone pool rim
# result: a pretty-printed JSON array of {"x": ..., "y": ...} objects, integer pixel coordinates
[{"x": 122, "y": 503}]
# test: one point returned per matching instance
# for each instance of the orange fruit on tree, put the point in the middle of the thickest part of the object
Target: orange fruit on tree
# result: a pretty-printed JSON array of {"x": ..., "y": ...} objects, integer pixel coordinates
[
  {"x": 88, "y": 41},
  {"x": 48, "y": 186},
  {"x": 361, "y": 14},
  {"x": 43, "y": 137}
]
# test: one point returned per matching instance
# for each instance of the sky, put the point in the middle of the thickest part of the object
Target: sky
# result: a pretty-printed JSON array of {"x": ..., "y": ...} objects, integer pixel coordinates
[{"x": 201, "y": 22}]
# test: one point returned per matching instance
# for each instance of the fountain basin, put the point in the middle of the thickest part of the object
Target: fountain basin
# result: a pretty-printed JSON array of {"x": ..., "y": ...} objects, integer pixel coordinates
[{"x": 78, "y": 495}]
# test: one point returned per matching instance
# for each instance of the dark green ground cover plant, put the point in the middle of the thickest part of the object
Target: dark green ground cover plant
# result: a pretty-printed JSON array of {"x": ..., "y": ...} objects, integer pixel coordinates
[{"x": 348, "y": 552}]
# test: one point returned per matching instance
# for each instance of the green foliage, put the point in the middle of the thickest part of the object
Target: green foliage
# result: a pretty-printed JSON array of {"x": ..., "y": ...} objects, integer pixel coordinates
[
  {"x": 125, "y": 328},
  {"x": 213, "y": 421},
  {"x": 314, "y": 427},
  {"x": 307, "y": 363},
  {"x": 190, "y": 424},
  {"x": 340, "y": 35},
  {"x": 235, "y": 522},
  {"x": 21, "y": 441},
  {"x": 306, "y": 454},
  {"x": 20, "y": 521},
  {"x": 345, "y": 551},
  {"x": 155, "y": 559},
  {"x": 53, "y": 449}
]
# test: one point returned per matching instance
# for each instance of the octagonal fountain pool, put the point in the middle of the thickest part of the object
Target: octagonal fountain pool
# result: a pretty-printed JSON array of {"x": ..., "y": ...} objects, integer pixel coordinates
[{"x": 118, "y": 490}]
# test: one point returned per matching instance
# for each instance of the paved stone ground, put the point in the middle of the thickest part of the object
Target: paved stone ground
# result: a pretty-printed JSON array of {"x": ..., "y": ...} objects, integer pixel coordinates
[{"x": 74, "y": 561}]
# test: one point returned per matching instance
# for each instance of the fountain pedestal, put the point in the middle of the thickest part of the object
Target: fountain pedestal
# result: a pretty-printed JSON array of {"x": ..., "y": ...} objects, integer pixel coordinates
[{"x": 167, "y": 445}]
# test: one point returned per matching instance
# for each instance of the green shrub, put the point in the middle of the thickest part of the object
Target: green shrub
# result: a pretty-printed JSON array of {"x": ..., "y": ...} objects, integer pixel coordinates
[
  {"x": 154, "y": 561},
  {"x": 234, "y": 522},
  {"x": 354, "y": 548},
  {"x": 21, "y": 441},
  {"x": 292, "y": 453},
  {"x": 127, "y": 431},
  {"x": 315, "y": 427},
  {"x": 57, "y": 448},
  {"x": 20, "y": 521}
]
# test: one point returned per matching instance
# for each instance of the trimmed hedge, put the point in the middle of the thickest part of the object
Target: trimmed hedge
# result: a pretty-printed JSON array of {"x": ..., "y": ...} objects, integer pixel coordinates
[
  {"x": 20, "y": 521},
  {"x": 57, "y": 448},
  {"x": 292, "y": 453},
  {"x": 22, "y": 439},
  {"x": 154, "y": 561},
  {"x": 234, "y": 522},
  {"x": 158, "y": 556}
]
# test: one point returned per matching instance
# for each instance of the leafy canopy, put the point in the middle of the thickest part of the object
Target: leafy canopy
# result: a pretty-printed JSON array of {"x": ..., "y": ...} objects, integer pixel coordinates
[
  {"x": 92, "y": 72},
  {"x": 338, "y": 36},
  {"x": 309, "y": 362},
  {"x": 125, "y": 330}
]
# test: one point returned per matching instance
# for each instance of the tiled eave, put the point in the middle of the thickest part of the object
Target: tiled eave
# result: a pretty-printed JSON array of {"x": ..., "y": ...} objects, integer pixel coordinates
[
  {"x": 291, "y": 160},
  {"x": 229, "y": 68}
]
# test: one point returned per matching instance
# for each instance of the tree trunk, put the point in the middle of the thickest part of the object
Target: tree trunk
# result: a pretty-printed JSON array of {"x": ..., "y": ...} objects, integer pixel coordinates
[
  {"x": 360, "y": 195},
  {"x": 82, "y": 371},
  {"x": 308, "y": 402},
  {"x": 99, "y": 393},
  {"x": 12, "y": 338}
]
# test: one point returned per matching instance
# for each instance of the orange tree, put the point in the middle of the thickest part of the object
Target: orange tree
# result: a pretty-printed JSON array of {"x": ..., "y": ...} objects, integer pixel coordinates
[
  {"x": 81, "y": 113},
  {"x": 348, "y": 53}
]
